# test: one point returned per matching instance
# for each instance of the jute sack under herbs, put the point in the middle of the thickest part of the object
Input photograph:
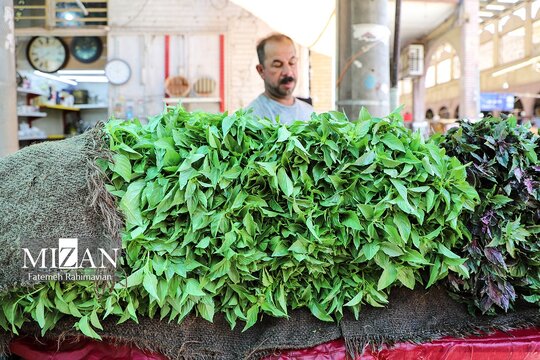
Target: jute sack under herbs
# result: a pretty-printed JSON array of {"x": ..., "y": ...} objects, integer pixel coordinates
[{"x": 51, "y": 191}]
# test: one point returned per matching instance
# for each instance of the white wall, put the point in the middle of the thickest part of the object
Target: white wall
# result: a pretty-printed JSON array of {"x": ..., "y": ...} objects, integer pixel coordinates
[{"x": 137, "y": 35}]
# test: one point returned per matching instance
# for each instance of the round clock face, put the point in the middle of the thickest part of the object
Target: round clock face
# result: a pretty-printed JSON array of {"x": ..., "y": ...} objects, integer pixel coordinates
[
  {"x": 117, "y": 71},
  {"x": 86, "y": 49},
  {"x": 47, "y": 53}
]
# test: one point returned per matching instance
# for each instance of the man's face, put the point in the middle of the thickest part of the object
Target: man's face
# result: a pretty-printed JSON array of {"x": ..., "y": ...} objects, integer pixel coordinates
[{"x": 279, "y": 69}]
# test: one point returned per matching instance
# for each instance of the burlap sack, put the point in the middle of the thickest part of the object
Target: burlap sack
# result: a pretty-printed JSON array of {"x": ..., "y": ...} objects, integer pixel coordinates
[
  {"x": 411, "y": 316},
  {"x": 50, "y": 191}
]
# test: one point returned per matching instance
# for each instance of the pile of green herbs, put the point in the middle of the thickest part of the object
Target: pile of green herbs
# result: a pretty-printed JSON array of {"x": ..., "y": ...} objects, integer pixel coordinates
[
  {"x": 233, "y": 214},
  {"x": 241, "y": 216},
  {"x": 504, "y": 252}
]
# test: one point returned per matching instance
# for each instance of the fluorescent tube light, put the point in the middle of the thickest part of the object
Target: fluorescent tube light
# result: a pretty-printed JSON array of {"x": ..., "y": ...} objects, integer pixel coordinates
[
  {"x": 86, "y": 79},
  {"x": 54, "y": 77},
  {"x": 495, "y": 7},
  {"x": 516, "y": 66},
  {"x": 81, "y": 72}
]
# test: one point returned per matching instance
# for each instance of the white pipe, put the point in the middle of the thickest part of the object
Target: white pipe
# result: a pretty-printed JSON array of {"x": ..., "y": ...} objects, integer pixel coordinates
[{"x": 83, "y": 8}]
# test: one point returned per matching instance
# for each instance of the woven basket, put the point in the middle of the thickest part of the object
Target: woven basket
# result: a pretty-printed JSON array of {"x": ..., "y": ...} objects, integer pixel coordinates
[
  {"x": 204, "y": 86},
  {"x": 177, "y": 86}
]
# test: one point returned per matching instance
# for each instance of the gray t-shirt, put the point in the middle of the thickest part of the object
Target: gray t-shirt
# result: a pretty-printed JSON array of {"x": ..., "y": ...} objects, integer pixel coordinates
[{"x": 265, "y": 107}]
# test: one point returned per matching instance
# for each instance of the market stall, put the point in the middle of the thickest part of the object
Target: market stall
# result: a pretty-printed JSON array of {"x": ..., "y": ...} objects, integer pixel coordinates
[{"x": 241, "y": 236}]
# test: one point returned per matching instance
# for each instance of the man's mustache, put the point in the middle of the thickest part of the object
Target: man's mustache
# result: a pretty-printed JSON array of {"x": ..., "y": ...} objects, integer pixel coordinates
[{"x": 286, "y": 80}]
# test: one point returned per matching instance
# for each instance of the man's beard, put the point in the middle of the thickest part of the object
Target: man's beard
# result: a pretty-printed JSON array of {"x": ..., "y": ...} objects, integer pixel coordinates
[{"x": 277, "y": 91}]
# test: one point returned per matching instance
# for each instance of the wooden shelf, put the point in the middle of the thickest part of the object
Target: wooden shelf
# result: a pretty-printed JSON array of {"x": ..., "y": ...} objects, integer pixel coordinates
[
  {"x": 31, "y": 91},
  {"x": 56, "y": 137},
  {"x": 59, "y": 107},
  {"x": 77, "y": 107},
  {"x": 189, "y": 100},
  {"x": 32, "y": 114},
  {"x": 32, "y": 139},
  {"x": 25, "y": 141},
  {"x": 91, "y": 106}
]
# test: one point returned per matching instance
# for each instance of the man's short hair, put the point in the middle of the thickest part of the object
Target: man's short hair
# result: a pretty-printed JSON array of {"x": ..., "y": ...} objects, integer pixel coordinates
[{"x": 262, "y": 43}]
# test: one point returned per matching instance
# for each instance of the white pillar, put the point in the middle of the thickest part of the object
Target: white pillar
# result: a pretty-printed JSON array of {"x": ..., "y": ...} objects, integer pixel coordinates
[
  {"x": 418, "y": 94},
  {"x": 363, "y": 57},
  {"x": 419, "y": 107},
  {"x": 303, "y": 86},
  {"x": 469, "y": 101},
  {"x": 9, "y": 141}
]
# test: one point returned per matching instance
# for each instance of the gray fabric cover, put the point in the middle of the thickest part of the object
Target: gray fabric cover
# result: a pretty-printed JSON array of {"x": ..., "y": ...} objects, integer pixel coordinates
[
  {"x": 49, "y": 191},
  {"x": 412, "y": 316}
]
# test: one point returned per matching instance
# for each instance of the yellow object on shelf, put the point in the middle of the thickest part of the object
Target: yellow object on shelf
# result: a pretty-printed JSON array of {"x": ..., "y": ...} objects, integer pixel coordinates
[
  {"x": 56, "y": 137},
  {"x": 59, "y": 107}
]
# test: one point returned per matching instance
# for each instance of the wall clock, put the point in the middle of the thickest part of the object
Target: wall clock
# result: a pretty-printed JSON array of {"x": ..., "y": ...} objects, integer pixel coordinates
[
  {"x": 117, "y": 71},
  {"x": 86, "y": 49},
  {"x": 47, "y": 53}
]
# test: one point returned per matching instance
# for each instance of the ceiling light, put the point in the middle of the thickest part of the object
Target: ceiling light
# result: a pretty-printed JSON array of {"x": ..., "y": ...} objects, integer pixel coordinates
[
  {"x": 68, "y": 18},
  {"x": 81, "y": 72},
  {"x": 485, "y": 13},
  {"x": 495, "y": 7},
  {"x": 86, "y": 79},
  {"x": 516, "y": 66},
  {"x": 490, "y": 28},
  {"x": 54, "y": 77},
  {"x": 521, "y": 12}
]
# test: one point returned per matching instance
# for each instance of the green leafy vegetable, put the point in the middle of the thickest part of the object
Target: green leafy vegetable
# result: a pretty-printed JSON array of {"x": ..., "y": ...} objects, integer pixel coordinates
[{"x": 290, "y": 215}]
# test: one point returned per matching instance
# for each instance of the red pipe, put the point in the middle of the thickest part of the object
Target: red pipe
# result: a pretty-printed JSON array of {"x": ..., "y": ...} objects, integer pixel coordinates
[
  {"x": 167, "y": 48},
  {"x": 222, "y": 72}
]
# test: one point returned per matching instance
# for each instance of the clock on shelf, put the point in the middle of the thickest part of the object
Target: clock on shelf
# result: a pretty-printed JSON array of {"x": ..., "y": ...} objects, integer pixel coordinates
[
  {"x": 86, "y": 49},
  {"x": 117, "y": 71},
  {"x": 47, "y": 53}
]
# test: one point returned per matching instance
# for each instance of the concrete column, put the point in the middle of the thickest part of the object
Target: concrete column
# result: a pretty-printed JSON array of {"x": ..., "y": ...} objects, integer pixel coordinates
[
  {"x": 469, "y": 101},
  {"x": 394, "y": 70},
  {"x": 420, "y": 122},
  {"x": 9, "y": 141},
  {"x": 363, "y": 57},
  {"x": 528, "y": 30},
  {"x": 303, "y": 86},
  {"x": 528, "y": 106},
  {"x": 496, "y": 41},
  {"x": 419, "y": 104}
]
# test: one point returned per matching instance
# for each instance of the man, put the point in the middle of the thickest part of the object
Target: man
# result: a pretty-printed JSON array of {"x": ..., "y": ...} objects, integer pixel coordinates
[{"x": 278, "y": 69}]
